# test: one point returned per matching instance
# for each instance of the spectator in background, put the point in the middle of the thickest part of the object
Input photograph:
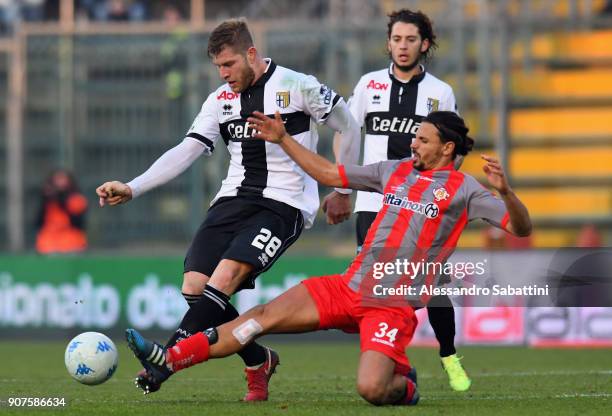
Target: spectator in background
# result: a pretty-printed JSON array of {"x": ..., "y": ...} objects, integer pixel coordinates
[
  {"x": 589, "y": 237},
  {"x": 8, "y": 15},
  {"x": 174, "y": 61},
  {"x": 61, "y": 220},
  {"x": 114, "y": 10},
  {"x": 33, "y": 10}
]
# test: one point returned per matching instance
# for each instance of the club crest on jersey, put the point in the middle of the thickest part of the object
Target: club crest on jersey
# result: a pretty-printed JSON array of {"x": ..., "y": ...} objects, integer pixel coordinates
[
  {"x": 282, "y": 99},
  {"x": 432, "y": 104},
  {"x": 440, "y": 194}
]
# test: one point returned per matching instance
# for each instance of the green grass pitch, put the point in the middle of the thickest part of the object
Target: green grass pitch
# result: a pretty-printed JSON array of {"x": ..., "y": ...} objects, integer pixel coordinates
[{"x": 319, "y": 379}]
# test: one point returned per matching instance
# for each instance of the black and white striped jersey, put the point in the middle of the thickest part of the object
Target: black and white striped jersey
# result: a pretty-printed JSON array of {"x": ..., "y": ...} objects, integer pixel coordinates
[
  {"x": 390, "y": 111},
  {"x": 258, "y": 167}
]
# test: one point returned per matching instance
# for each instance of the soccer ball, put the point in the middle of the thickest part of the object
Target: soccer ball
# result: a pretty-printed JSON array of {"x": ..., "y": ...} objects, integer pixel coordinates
[{"x": 91, "y": 358}]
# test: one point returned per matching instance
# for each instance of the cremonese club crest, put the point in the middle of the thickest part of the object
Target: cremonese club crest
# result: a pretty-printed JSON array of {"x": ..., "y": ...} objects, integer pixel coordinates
[{"x": 440, "y": 194}]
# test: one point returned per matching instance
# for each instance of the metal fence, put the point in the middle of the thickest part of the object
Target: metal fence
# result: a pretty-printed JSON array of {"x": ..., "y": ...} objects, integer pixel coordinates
[{"x": 106, "y": 101}]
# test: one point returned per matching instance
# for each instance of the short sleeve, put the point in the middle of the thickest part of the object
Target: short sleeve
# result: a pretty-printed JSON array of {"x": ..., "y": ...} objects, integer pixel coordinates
[
  {"x": 319, "y": 100},
  {"x": 485, "y": 205},
  {"x": 357, "y": 103},
  {"x": 368, "y": 177},
  {"x": 205, "y": 128},
  {"x": 448, "y": 102}
]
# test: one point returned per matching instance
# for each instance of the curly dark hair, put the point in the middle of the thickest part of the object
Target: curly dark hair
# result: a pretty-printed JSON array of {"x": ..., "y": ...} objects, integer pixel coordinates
[
  {"x": 421, "y": 21},
  {"x": 451, "y": 128}
]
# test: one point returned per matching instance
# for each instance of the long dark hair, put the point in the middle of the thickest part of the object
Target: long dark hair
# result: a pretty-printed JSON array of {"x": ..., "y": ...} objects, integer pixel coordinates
[{"x": 451, "y": 128}]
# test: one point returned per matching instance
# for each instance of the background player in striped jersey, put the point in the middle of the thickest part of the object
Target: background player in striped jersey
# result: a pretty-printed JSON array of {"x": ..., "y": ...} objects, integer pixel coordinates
[
  {"x": 390, "y": 104},
  {"x": 265, "y": 200},
  {"x": 400, "y": 231}
]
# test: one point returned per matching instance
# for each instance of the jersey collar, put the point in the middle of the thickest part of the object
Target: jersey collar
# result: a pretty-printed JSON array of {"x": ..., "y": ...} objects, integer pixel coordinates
[
  {"x": 267, "y": 74},
  {"x": 414, "y": 80}
]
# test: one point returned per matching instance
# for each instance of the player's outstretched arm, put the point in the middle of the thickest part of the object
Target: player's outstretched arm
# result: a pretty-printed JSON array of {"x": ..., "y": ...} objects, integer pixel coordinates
[
  {"x": 169, "y": 165},
  {"x": 113, "y": 193},
  {"x": 273, "y": 130},
  {"x": 520, "y": 222}
]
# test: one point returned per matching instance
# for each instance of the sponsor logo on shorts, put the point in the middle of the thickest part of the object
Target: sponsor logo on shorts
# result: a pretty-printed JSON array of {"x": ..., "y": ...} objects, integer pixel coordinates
[
  {"x": 263, "y": 258},
  {"x": 382, "y": 341}
]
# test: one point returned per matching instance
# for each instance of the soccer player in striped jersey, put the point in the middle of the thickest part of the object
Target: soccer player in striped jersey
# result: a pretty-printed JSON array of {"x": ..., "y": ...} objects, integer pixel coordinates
[
  {"x": 266, "y": 199},
  {"x": 389, "y": 104},
  {"x": 426, "y": 206}
]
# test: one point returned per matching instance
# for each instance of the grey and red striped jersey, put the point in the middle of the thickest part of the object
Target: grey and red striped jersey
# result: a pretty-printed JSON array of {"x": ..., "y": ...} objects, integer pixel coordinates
[
  {"x": 390, "y": 111},
  {"x": 422, "y": 216},
  {"x": 257, "y": 167}
]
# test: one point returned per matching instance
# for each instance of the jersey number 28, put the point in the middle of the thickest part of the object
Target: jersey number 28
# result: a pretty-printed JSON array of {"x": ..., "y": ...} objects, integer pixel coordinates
[{"x": 267, "y": 242}]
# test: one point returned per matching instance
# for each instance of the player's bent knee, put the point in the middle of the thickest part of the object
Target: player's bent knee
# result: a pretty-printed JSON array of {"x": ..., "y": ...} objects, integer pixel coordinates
[
  {"x": 194, "y": 283},
  {"x": 372, "y": 391}
]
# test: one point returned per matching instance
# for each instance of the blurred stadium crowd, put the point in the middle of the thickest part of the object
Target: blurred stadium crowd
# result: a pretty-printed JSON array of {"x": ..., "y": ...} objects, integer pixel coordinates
[{"x": 14, "y": 11}]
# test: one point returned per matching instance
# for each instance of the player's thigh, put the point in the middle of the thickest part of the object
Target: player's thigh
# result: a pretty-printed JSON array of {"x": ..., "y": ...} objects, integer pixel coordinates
[
  {"x": 362, "y": 225},
  {"x": 388, "y": 331},
  {"x": 212, "y": 238},
  {"x": 261, "y": 240}
]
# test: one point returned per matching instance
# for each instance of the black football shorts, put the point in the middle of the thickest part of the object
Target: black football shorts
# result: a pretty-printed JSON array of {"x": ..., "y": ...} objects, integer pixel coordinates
[{"x": 253, "y": 230}]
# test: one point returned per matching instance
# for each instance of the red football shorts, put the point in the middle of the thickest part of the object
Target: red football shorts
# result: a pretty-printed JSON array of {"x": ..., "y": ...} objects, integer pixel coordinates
[{"x": 386, "y": 330}]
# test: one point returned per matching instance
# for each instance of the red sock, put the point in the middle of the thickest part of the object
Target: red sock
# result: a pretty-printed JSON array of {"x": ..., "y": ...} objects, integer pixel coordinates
[
  {"x": 188, "y": 352},
  {"x": 409, "y": 396}
]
